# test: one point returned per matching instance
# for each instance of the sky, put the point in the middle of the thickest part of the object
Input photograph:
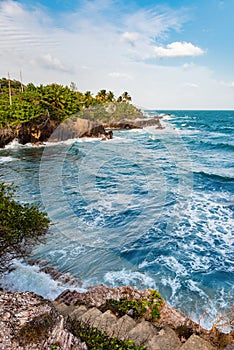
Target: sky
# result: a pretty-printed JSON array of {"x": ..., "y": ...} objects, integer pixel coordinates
[{"x": 166, "y": 54}]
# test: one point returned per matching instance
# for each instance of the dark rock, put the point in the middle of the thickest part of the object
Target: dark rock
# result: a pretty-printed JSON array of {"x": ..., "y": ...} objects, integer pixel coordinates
[{"x": 138, "y": 123}]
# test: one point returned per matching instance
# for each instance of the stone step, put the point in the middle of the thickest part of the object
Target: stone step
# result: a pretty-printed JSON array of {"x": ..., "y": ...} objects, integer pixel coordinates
[
  {"x": 106, "y": 322},
  {"x": 63, "y": 309},
  {"x": 121, "y": 329},
  {"x": 77, "y": 312},
  {"x": 195, "y": 342},
  {"x": 142, "y": 333},
  {"x": 166, "y": 339},
  {"x": 92, "y": 317}
]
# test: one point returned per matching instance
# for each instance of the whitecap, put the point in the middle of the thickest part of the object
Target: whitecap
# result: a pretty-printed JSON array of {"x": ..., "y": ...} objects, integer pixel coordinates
[
  {"x": 23, "y": 277},
  {"x": 128, "y": 277},
  {"x": 5, "y": 159}
]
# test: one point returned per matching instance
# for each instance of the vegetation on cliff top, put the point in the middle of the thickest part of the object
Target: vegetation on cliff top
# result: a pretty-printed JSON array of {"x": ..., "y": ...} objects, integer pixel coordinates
[
  {"x": 21, "y": 103},
  {"x": 21, "y": 226}
]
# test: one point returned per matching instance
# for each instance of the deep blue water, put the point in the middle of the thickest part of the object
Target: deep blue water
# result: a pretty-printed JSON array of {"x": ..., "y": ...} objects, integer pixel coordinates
[{"x": 150, "y": 208}]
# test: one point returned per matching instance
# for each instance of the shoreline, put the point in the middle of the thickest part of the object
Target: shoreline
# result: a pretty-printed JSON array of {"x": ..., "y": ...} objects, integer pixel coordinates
[{"x": 31, "y": 322}]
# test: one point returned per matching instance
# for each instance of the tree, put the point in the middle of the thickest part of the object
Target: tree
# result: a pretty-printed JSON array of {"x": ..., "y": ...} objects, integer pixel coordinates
[
  {"x": 101, "y": 96},
  {"x": 21, "y": 226},
  {"x": 126, "y": 97},
  {"x": 73, "y": 86}
]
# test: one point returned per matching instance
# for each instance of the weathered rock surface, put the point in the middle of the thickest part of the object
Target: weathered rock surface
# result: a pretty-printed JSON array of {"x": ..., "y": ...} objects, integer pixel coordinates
[
  {"x": 166, "y": 339},
  {"x": 195, "y": 342},
  {"x": 29, "y": 322},
  {"x": 44, "y": 129},
  {"x": 138, "y": 123}
]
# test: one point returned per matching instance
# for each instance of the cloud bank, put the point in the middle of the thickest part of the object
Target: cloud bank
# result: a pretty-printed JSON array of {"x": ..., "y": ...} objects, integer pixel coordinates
[{"x": 109, "y": 45}]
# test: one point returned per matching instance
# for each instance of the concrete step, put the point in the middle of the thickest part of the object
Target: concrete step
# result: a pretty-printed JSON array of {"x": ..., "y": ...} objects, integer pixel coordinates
[
  {"x": 195, "y": 342},
  {"x": 142, "y": 333},
  {"x": 166, "y": 339}
]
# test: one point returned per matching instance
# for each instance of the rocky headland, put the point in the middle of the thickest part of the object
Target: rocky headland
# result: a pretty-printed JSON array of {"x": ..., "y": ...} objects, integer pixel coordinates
[
  {"x": 45, "y": 129},
  {"x": 96, "y": 318}
]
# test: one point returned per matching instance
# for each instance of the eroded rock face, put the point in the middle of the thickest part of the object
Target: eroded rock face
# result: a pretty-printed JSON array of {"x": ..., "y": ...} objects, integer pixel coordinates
[
  {"x": 138, "y": 123},
  {"x": 28, "y": 322},
  {"x": 44, "y": 129}
]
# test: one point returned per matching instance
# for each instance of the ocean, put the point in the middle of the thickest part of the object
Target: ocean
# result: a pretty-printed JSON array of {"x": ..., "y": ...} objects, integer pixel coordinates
[{"x": 149, "y": 208}]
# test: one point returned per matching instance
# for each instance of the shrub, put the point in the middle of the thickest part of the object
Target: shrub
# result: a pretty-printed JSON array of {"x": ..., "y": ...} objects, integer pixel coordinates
[{"x": 21, "y": 226}]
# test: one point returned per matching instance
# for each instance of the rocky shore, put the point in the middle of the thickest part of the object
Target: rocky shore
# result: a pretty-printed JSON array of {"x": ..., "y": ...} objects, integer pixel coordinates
[
  {"x": 28, "y": 321},
  {"x": 45, "y": 129}
]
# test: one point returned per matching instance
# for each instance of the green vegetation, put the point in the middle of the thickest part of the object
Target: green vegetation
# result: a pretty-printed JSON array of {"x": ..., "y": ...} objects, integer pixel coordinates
[
  {"x": 35, "y": 330},
  {"x": 58, "y": 102},
  {"x": 21, "y": 226},
  {"x": 136, "y": 308},
  {"x": 97, "y": 340}
]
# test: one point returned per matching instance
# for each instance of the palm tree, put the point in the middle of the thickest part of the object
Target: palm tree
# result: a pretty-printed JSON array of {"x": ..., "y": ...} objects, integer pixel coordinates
[
  {"x": 126, "y": 97},
  {"x": 101, "y": 95},
  {"x": 110, "y": 96}
]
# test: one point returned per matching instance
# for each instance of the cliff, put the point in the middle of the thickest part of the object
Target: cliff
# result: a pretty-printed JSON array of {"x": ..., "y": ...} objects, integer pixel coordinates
[{"x": 40, "y": 130}]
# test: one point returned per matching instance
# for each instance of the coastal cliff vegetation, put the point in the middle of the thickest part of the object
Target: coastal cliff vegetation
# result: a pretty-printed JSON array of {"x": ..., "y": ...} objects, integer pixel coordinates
[
  {"x": 22, "y": 103},
  {"x": 21, "y": 226}
]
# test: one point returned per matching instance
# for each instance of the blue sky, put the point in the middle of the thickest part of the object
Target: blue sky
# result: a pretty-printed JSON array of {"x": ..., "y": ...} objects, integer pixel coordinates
[{"x": 167, "y": 54}]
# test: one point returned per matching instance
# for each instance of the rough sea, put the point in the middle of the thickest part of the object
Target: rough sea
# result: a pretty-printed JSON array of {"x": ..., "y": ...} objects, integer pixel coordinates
[{"x": 150, "y": 208}]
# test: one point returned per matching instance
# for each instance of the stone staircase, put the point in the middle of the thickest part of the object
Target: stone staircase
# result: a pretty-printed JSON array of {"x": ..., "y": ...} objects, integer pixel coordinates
[{"x": 125, "y": 328}]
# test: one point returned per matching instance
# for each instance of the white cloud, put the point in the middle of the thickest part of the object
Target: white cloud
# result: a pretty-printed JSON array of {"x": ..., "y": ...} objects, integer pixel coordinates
[
  {"x": 228, "y": 84},
  {"x": 105, "y": 48},
  {"x": 178, "y": 49},
  {"x": 130, "y": 37},
  {"x": 120, "y": 75},
  {"x": 190, "y": 85},
  {"x": 50, "y": 62}
]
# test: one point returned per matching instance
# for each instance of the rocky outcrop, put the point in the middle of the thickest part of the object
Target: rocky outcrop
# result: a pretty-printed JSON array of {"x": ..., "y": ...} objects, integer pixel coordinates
[
  {"x": 138, "y": 123},
  {"x": 79, "y": 127},
  {"x": 29, "y": 322},
  {"x": 170, "y": 317},
  {"x": 44, "y": 129}
]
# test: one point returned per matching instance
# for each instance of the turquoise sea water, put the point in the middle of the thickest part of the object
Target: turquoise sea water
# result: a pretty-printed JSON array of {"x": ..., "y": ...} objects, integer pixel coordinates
[{"x": 150, "y": 208}]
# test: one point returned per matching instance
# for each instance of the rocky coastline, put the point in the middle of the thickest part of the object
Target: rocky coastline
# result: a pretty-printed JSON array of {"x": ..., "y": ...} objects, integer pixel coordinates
[
  {"x": 28, "y": 321},
  {"x": 45, "y": 129}
]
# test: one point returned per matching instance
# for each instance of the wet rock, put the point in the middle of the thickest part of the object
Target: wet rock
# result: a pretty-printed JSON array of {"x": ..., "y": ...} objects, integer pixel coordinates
[{"x": 137, "y": 123}]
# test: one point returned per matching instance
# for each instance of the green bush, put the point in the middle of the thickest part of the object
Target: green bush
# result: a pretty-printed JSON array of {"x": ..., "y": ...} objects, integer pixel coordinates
[
  {"x": 97, "y": 340},
  {"x": 21, "y": 225},
  {"x": 136, "y": 308}
]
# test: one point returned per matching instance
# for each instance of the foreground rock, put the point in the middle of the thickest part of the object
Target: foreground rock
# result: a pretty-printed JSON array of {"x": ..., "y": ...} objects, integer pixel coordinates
[
  {"x": 44, "y": 129},
  {"x": 172, "y": 325},
  {"x": 29, "y": 322}
]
